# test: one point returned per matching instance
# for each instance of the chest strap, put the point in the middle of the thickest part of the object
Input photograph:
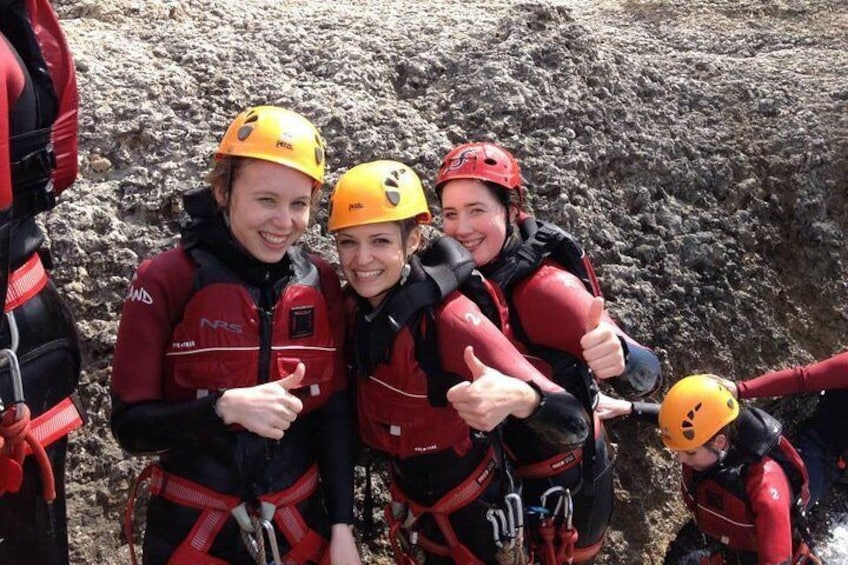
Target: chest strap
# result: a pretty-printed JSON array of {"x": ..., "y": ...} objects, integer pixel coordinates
[
  {"x": 462, "y": 495},
  {"x": 216, "y": 508},
  {"x": 25, "y": 282},
  {"x": 551, "y": 466}
]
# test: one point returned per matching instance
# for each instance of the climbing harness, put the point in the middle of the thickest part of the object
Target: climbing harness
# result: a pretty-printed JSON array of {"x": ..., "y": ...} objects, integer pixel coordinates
[{"x": 255, "y": 522}]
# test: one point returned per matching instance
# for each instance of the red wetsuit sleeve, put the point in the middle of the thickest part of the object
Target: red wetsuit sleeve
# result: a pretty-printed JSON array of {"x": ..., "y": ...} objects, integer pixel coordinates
[
  {"x": 825, "y": 375},
  {"x": 12, "y": 82},
  {"x": 460, "y": 323},
  {"x": 553, "y": 307},
  {"x": 770, "y": 497},
  {"x": 153, "y": 306}
]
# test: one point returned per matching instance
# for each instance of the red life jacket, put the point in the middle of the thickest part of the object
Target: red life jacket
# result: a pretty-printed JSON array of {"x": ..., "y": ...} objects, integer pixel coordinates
[
  {"x": 43, "y": 161},
  {"x": 396, "y": 415},
  {"x": 224, "y": 339}
]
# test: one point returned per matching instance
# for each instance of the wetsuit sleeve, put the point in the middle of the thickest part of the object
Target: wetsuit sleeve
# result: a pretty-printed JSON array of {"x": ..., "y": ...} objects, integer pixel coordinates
[
  {"x": 560, "y": 418},
  {"x": 460, "y": 323},
  {"x": 336, "y": 426},
  {"x": 337, "y": 436},
  {"x": 769, "y": 494},
  {"x": 553, "y": 294},
  {"x": 141, "y": 419},
  {"x": 826, "y": 375}
]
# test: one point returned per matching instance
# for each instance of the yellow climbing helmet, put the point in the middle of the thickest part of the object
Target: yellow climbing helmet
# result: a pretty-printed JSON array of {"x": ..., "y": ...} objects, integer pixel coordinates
[
  {"x": 278, "y": 135},
  {"x": 695, "y": 409},
  {"x": 379, "y": 191}
]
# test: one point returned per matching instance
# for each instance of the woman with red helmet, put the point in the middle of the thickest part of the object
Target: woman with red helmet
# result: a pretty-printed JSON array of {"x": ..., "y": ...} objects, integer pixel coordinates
[
  {"x": 556, "y": 319},
  {"x": 40, "y": 359},
  {"x": 423, "y": 397},
  {"x": 229, "y": 366}
]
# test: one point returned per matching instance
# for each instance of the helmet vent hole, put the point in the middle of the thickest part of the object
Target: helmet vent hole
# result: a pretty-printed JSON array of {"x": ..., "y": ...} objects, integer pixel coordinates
[
  {"x": 244, "y": 131},
  {"x": 393, "y": 196},
  {"x": 490, "y": 161},
  {"x": 251, "y": 118}
]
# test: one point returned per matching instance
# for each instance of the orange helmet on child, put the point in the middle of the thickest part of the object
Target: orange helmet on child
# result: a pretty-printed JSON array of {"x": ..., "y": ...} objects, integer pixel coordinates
[
  {"x": 379, "y": 191},
  {"x": 278, "y": 135},
  {"x": 695, "y": 409}
]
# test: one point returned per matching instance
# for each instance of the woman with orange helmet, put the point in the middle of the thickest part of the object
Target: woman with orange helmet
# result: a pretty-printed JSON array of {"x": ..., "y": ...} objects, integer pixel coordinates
[
  {"x": 557, "y": 319},
  {"x": 743, "y": 482},
  {"x": 229, "y": 365},
  {"x": 423, "y": 396}
]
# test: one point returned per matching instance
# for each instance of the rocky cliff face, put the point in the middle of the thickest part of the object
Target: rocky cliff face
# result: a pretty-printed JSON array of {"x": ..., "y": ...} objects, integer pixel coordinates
[{"x": 698, "y": 149}]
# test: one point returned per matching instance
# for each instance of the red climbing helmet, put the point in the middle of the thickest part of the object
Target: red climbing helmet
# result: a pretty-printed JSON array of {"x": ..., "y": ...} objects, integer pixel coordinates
[{"x": 483, "y": 161}]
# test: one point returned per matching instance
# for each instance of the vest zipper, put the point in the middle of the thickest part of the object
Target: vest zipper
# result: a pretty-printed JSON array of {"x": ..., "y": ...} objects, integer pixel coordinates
[{"x": 266, "y": 330}]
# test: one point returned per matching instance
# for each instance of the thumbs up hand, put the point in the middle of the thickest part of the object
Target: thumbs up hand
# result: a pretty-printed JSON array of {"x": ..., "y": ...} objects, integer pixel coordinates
[
  {"x": 486, "y": 400},
  {"x": 602, "y": 349},
  {"x": 268, "y": 409}
]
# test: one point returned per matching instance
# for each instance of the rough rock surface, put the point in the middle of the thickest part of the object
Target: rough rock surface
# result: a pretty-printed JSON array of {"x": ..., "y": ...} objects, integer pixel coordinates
[{"x": 697, "y": 148}]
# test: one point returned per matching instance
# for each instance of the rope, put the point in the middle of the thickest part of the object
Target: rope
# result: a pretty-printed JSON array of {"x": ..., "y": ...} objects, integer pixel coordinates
[{"x": 15, "y": 430}]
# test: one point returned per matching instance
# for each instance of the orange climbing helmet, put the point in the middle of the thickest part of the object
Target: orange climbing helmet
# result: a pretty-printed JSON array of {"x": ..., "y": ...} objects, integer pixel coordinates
[
  {"x": 378, "y": 191},
  {"x": 278, "y": 135},
  {"x": 695, "y": 409}
]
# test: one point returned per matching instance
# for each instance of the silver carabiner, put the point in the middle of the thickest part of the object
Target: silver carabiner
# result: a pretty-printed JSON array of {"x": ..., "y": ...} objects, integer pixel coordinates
[
  {"x": 271, "y": 536},
  {"x": 568, "y": 508},
  {"x": 10, "y": 357},
  {"x": 515, "y": 514},
  {"x": 498, "y": 520},
  {"x": 558, "y": 490}
]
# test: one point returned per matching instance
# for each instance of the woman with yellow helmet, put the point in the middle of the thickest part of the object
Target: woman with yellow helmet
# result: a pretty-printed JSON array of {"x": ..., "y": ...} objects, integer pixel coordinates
[
  {"x": 229, "y": 365},
  {"x": 743, "y": 482},
  {"x": 421, "y": 389}
]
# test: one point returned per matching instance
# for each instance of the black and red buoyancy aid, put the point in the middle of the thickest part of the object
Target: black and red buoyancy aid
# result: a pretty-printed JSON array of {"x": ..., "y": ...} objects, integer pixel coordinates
[
  {"x": 718, "y": 498},
  {"x": 224, "y": 339},
  {"x": 408, "y": 414},
  {"x": 44, "y": 160}
]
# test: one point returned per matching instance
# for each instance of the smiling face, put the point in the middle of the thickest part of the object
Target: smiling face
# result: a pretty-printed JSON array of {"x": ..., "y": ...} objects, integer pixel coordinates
[
  {"x": 372, "y": 257},
  {"x": 475, "y": 217},
  {"x": 267, "y": 207}
]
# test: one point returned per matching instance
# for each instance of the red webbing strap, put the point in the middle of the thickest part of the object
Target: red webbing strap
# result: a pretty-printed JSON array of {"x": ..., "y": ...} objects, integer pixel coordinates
[
  {"x": 555, "y": 465},
  {"x": 214, "y": 506},
  {"x": 306, "y": 545},
  {"x": 56, "y": 423},
  {"x": 25, "y": 282},
  {"x": 460, "y": 496}
]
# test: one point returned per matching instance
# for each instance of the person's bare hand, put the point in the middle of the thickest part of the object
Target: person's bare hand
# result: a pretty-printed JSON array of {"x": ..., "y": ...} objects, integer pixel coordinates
[
  {"x": 486, "y": 400},
  {"x": 602, "y": 349},
  {"x": 268, "y": 409}
]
